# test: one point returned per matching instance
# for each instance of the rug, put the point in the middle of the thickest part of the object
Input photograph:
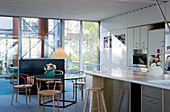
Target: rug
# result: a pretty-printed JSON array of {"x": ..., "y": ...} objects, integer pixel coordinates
[{"x": 5, "y": 86}]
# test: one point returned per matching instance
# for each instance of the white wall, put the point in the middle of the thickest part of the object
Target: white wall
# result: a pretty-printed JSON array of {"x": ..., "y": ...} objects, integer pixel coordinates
[{"x": 116, "y": 57}]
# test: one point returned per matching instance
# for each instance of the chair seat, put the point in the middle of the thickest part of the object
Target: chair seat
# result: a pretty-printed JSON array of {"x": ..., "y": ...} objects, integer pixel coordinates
[
  {"x": 49, "y": 92},
  {"x": 80, "y": 83},
  {"x": 53, "y": 82},
  {"x": 58, "y": 82},
  {"x": 50, "y": 82},
  {"x": 94, "y": 89},
  {"x": 22, "y": 86}
]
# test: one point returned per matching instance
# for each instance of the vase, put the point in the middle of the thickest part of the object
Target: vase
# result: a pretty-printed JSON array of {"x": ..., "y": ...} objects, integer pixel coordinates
[
  {"x": 155, "y": 71},
  {"x": 50, "y": 73}
]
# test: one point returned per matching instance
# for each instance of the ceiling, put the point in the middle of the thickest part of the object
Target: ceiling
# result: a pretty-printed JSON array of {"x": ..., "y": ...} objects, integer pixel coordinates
[{"x": 71, "y": 9}]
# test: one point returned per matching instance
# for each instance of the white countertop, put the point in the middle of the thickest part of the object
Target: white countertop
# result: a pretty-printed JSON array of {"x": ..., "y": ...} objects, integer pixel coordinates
[{"x": 136, "y": 77}]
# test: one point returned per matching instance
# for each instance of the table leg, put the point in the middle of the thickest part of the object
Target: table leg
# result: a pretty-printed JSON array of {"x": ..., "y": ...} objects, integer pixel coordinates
[
  {"x": 63, "y": 93},
  {"x": 76, "y": 90}
]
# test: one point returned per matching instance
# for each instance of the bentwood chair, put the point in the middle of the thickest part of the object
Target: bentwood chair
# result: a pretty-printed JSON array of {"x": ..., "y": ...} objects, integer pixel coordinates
[
  {"x": 49, "y": 83},
  {"x": 20, "y": 87},
  {"x": 50, "y": 94},
  {"x": 80, "y": 83}
]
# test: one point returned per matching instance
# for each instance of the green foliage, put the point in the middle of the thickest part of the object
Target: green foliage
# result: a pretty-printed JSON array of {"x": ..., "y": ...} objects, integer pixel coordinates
[{"x": 90, "y": 42}]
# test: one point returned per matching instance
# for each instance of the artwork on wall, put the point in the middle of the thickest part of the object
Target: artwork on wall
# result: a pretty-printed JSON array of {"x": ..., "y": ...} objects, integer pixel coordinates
[
  {"x": 107, "y": 42},
  {"x": 121, "y": 38}
]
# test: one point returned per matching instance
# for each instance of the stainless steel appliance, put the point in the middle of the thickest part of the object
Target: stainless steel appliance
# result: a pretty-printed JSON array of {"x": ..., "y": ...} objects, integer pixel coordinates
[{"x": 140, "y": 57}]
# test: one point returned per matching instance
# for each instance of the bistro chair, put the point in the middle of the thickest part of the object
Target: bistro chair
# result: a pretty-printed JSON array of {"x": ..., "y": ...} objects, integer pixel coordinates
[
  {"x": 49, "y": 83},
  {"x": 80, "y": 83},
  {"x": 49, "y": 94},
  {"x": 20, "y": 87}
]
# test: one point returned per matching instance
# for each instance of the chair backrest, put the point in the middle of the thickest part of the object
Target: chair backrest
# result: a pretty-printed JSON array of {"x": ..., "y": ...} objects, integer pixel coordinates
[
  {"x": 58, "y": 72},
  {"x": 17, "y": 76},
  {"x": 81, "y": 73},
  {"x": 39, "y": 81}
]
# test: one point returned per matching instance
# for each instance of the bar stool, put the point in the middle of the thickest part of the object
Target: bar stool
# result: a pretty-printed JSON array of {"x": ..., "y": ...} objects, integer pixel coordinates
[{"x": 98, "y": 90}]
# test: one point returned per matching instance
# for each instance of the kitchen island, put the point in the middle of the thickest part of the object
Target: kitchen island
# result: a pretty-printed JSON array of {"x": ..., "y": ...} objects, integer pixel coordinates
[{"x": 128, "y": 91}]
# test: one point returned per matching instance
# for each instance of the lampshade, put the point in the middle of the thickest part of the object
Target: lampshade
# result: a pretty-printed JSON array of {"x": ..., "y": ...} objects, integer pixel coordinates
[{"x": 59, "y": 53}]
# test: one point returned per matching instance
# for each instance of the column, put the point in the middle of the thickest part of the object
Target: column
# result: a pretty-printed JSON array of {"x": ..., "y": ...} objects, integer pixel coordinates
[
  {"x": 80, "y": 46},
  {"x": 42, "y": 31},
  {"x": 15, "y": 37}
]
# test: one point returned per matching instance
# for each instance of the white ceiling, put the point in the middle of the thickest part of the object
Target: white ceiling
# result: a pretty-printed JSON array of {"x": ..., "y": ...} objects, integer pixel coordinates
[{"x": 71, "y": 9}]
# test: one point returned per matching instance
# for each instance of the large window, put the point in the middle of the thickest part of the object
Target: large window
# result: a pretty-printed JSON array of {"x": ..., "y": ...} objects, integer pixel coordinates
[
  {"x": 8, "y": 44},
  {"x": 81, "y": 42},
  {"x": 72, "y": 38},
  {"x": 40, "y": 37},
  {"x": 90, "y": 45},
  {"x": 30, "y": 38}
]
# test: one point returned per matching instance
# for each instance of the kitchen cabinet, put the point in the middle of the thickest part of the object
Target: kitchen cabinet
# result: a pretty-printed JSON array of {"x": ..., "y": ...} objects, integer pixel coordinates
[
  {"x": 140, "y": 37},
  {"x": 151, "y": 104},
  {"x": 151, "y": 99},
  {"x": 136, "y": 38},
  {"x": 166, "y": 100},
  {"x": 130, "y": 47},
  {"x": 144, "y": 37}
]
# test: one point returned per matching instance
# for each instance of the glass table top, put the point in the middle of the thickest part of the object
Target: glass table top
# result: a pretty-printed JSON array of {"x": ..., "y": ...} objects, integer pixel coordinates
[{"x": 61, "y": 76}]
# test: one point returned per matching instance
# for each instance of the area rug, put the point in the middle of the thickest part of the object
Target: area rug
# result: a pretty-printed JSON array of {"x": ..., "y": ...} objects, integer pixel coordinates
[{"x": 5, "y": 86}]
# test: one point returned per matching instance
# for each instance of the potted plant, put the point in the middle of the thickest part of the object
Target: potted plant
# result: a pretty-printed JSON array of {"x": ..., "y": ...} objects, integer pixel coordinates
[
  {"x": 155, "y": 65},
  {"x": 49, "y": 69}
]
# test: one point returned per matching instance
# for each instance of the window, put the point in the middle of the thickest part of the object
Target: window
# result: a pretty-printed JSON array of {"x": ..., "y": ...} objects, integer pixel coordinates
[
  {"x": 8, "y": 44},
  {"x": 72, "y": 37},
  {"x": 33, "y": 35},
  {"x": 89, "y": 46}
]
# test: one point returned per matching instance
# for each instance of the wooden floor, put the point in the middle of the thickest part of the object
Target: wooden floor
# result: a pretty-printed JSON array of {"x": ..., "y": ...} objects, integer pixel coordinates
[{"x": 20, "y": 106}]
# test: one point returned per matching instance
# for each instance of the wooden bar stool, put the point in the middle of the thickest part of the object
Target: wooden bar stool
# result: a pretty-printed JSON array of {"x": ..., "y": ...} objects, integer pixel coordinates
[{"x": 98, "y": 90}]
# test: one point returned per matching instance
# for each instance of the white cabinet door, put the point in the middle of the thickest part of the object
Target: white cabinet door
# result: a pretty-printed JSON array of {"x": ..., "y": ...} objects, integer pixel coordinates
[
  {"x": 144, "y": 37},
  {"x": 136, "y": 38},
  {"x": 156, "y": 41},
  {"x": 130, "y": 47}
]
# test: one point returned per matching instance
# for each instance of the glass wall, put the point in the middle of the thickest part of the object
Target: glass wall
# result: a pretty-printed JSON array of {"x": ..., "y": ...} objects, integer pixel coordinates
[
  {"x": 39, "y": 33},
  {"x": 8, "y": 45},
  {"x": 32, "y": 36},
  {"x": 40, "y": 37},
  {"x": 71, "y": 45},
  {"x": 89, "y": 46}
]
